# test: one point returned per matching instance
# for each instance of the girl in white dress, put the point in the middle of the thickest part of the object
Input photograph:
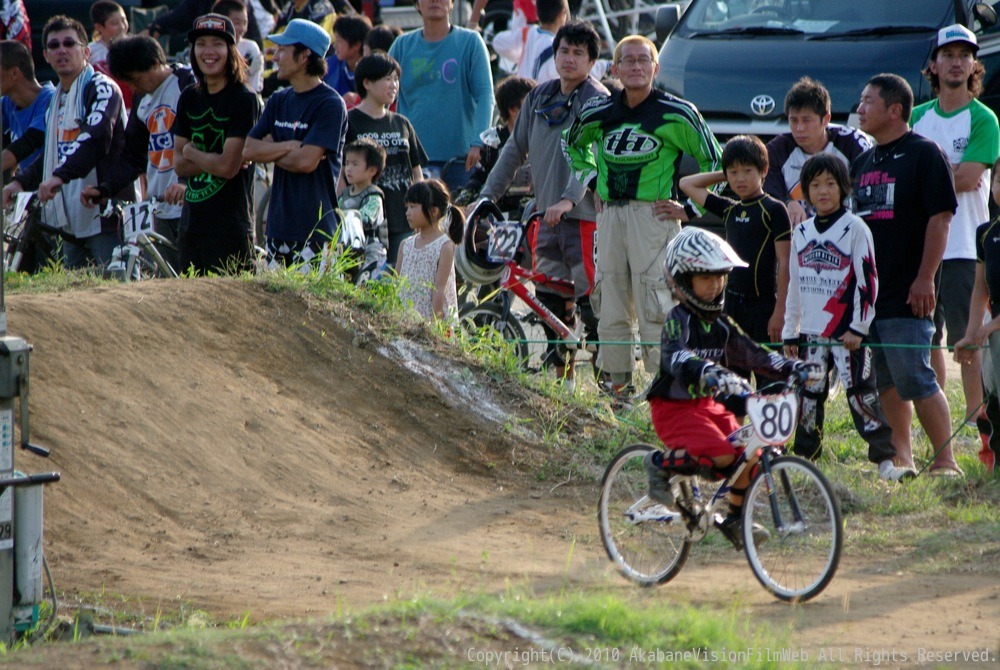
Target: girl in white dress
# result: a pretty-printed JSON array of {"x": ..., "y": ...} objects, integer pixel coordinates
[{"x": 426, "y": 259}]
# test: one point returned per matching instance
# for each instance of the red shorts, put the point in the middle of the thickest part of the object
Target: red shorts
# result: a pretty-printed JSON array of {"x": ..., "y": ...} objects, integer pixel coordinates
[{"x": 701, "y": 427}]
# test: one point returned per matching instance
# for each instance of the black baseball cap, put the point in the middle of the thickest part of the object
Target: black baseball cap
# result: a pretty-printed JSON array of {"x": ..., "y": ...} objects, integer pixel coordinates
[{"x": 213, "y": 24}]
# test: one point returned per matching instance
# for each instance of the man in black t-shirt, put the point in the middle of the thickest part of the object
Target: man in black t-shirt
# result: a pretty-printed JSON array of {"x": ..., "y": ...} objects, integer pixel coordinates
[
  {"x": 214, "y": 117},
  {"x": 904, "y": 190}
]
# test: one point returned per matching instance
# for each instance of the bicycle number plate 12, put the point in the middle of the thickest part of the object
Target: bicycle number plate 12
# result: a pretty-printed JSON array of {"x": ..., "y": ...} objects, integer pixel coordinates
[
  {"x": 138, "y": 218},
  {"x": 505, "y": 239},
  {"x": 773, "y": 416}
]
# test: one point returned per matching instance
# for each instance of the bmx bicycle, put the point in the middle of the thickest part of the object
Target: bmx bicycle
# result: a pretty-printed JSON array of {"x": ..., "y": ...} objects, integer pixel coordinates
[
  {"x": 788, "y": 497},
  {"x": 490, "y": 254},
  {"x": 28, "y": 245},
  {"x": 140, "y": 256}
]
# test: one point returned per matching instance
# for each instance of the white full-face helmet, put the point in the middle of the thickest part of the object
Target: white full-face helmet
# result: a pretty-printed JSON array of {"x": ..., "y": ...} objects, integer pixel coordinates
[{"x": 696, "y": 251}]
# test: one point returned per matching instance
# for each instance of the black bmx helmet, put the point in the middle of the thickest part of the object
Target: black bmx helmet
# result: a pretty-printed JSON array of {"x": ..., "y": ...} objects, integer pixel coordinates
[
  {"x": 471, "y": 261},
  {"x": 696, "y": 251}
]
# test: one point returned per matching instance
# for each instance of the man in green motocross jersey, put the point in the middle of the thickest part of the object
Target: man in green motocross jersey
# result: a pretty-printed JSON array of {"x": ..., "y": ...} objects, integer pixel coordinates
[{"x": 640, "y": 134}]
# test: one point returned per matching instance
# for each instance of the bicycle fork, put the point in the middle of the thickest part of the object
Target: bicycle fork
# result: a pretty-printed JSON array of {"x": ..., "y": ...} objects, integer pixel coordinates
[{"x": 798, "y": 522}]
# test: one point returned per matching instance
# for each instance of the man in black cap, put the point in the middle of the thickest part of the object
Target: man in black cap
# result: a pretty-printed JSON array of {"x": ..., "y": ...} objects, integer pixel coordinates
[{"x": 213, "y": 119}]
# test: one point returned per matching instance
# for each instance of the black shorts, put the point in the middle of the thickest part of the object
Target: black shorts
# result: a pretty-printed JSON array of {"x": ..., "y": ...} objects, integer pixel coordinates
[
  {"x": 214, "y": 254},
  {"x": 954, "y": 291}
]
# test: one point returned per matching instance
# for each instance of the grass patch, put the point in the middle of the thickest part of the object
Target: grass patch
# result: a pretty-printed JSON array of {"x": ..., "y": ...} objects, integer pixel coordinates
[{"x": 512, "y": 629}]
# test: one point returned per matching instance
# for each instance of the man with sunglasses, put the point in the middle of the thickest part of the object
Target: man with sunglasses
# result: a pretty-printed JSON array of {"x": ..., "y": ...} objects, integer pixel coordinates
[
  {"x": 85, "y": 134},
  {"x": 640, "y": 135},
  {"x": 565, "y": 241}
]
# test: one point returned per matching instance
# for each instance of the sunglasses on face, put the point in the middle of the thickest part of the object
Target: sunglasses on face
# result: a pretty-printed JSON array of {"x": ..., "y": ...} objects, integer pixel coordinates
[
  {"x": 556, "y": 113},
  {"x": 67, "y": 43}
]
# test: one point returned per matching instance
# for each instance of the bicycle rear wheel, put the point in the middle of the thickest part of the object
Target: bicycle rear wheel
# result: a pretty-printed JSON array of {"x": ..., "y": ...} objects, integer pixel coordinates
[
  {"x": 485, "y": 318},
  {"x": 802, "y": 516},
  {"x": 646, "y": 541}
]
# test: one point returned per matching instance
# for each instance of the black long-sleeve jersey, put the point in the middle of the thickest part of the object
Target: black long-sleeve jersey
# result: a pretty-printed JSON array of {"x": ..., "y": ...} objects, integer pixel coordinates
[{"x": 690, "y": 344}]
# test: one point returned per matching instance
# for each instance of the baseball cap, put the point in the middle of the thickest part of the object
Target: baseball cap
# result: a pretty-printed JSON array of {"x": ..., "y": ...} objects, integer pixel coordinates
[
  {"x": 306, "y": 33},
  {"x": 213, "y": 24},
  {"x": 956, "y": 33}
]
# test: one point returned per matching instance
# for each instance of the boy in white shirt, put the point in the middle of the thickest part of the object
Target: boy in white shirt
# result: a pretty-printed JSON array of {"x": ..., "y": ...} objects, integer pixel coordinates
[
  {"x": 236, "y": 10},
  {"x": 831, "y": 303},
  {"x": 109, "y": 24},
  {"x": 530, "y": 46}
]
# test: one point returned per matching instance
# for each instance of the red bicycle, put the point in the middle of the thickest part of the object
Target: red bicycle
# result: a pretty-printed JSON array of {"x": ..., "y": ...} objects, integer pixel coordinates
[{"x": 492, "y": 256}]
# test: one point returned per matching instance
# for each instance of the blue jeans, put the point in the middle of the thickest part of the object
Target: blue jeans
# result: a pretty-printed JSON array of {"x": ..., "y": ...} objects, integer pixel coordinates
[
  {"x": 452, "y": 173},
  {"x": 95, "y": 250},
  {"x": 908, "y": 368}
]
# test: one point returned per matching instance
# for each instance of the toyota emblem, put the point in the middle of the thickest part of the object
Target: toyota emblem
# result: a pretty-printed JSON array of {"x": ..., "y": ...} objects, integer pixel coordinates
[{"x": 762, "y": 105}]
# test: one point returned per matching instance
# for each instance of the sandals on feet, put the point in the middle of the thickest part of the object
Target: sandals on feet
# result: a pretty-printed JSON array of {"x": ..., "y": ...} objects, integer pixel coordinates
[{"x": 950, "y": 471}]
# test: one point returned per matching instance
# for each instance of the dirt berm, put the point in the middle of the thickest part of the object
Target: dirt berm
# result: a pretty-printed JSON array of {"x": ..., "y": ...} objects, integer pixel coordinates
[{"x": 242, "y": 450}]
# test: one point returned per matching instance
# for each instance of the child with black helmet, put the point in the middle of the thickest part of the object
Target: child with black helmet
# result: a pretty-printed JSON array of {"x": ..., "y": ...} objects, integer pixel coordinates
[{"x": 699, "y": 346}]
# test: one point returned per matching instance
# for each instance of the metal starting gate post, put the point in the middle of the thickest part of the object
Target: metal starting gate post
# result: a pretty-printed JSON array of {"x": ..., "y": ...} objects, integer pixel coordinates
[{"x": 20, "y": 495}]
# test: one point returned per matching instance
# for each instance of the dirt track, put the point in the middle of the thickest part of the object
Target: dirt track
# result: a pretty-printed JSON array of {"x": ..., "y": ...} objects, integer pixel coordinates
[{"x": 235, "y": 449}]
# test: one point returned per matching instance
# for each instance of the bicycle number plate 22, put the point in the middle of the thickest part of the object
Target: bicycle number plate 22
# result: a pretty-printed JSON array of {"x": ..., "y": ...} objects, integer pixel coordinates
[
  {"x": 138, "y": 218},
  {"x": 773, "y": 416},
  {"x": 505, "y": 239}
]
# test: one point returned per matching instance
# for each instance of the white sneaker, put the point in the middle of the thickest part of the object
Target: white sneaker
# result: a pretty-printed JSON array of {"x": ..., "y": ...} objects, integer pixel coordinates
[{"x": 888, "y": 472}]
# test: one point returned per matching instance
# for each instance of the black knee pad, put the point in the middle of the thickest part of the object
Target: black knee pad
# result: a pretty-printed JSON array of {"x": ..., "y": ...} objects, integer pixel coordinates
[
  {"x": 588, "y": 316},
  {"x": 556, "y": 304}
]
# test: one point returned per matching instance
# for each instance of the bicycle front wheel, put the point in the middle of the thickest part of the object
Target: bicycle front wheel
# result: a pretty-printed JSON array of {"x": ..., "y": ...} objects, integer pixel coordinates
[
  {"x": 646, "y": 541},
  {"x": 798, "y": 556},
  {"x": 486, "y": 320}
]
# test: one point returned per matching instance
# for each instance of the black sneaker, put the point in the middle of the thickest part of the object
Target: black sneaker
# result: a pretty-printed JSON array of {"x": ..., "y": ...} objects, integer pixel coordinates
[
  {"x": 731, "y": 526},
  {"x": 658, "y": 479}
]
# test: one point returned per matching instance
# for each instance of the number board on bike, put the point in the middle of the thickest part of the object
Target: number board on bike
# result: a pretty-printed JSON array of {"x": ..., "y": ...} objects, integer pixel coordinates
[
  {"x": 773, "y": 416},
  {"x": 138, "y": 218},
  {"x": 505, "y": 239}
]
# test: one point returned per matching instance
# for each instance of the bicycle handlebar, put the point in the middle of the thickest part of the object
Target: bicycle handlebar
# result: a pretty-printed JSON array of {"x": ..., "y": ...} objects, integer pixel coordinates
[
  {"x": 796, "y": 379},
  {"x": 113, "y": 205}
]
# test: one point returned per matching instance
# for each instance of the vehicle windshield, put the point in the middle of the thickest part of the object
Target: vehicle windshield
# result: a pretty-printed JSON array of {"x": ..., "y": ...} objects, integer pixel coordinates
[{"x": 827, "y": 18}]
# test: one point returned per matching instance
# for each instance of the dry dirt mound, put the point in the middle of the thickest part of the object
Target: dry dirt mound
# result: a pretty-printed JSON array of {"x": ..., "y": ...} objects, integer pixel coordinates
[{"x": 232, "y": 447}]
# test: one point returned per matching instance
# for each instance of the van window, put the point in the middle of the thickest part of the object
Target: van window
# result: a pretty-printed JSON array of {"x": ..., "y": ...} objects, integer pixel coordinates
[{"x": 810, "y": 17}]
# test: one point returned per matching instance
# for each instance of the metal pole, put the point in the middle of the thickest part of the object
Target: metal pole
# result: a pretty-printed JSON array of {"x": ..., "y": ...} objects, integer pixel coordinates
[{"x": 6, "y": 471}]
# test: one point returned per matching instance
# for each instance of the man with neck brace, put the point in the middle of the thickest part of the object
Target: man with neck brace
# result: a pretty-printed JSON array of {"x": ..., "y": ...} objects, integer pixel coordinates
[{"x": 84, "y": 134}]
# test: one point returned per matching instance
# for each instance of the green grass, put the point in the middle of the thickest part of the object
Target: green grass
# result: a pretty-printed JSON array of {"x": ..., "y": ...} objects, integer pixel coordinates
[{"x": 512, "y": 629}]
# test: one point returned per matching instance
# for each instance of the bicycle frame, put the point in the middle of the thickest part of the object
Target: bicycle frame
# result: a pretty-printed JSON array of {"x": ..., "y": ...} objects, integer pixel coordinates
[{"x": 515, "y": 278}]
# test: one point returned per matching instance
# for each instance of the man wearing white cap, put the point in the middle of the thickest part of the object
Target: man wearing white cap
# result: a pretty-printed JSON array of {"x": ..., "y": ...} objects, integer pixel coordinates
[
  {"x": 302, "y": 132},
  {"x": 967, "y": 132}
]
